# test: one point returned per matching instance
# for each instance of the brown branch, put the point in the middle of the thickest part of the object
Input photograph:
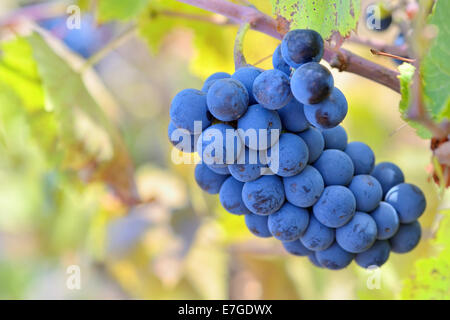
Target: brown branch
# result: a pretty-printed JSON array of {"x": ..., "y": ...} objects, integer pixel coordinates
[
  {"x": 219, "y": 20},
  {"x": 389, "y": 55},
  {"x": 380, "y": 45},
  {"x": 341, "y": 59}
]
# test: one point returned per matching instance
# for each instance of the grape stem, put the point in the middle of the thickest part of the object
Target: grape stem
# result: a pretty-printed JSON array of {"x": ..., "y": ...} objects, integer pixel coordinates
[
  {"x": 341, "y": 59},
  {"x": 239, "y": 57},
  {"x": 390, "y": 55}
]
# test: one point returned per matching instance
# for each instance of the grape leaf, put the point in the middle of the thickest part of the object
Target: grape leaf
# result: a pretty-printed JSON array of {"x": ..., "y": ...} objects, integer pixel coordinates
[
  {"x": 91, "y": 144},
  {"x": 435, "y": 66},
  {"x": 324, "y": 16},
  {"x": 430, "y": 279},
  {"x": 406, "y": 74},
  {"x": 120, "y": 9}
]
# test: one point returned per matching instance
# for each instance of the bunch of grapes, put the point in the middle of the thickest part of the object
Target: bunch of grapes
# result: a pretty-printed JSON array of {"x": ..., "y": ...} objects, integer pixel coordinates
[{"x": 296, "y": 178}]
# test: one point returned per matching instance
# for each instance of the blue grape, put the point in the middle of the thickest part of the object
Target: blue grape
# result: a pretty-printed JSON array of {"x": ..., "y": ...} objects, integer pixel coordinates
[
  {"x": 247, "y": 76},
  {"x": 188, "y": 106},
  {"x": 334, "y": 258},
  {"x": 208, "y": 180},
  {"x": 219, "y": 152},
  {"x": 406, "y": 238},
  {"x": 219, "y": 168},
  {"x": 264, "y": 196},
  {"x": 362, "y": 156},
  {"x": 296, "y": 248},
  {"x": 312, "y": 83},
  {"x": 358, "y": 235},
  {"x": 313, "y": 259},
  {"x": 288, "y": 223},
  {"x": 399, "y": 42},
  {"x": 213, "y": 78},
  {"x": 336, "y": 167},
  {"x": 335, "y": 138},
  {"x": 386, "y": 219},
  {"x": 230, "y": 197},
  {"x": 317, "y": 237},
  {"x": 408, "y": 200},
  {"x": 248, "y": 166},
  {"x": 227, "y": 99},
  {"x": 301, "y": 46},
  {"x": 377, "y": 255},
  {"x": 314, "y": 139},
  {"x": 289, "y": 156},
  {"x": 367, "y": 191},
  {"x": 292, "y": 117},
  {"x": 257, "y": 225},
  {"x": 279, "y": 63},
  {"x": 182, "y": 139},
  {"x": 304, "y": 189},
  {"x": 329, "y": 113},
  {"x": 335, "y": 207},
  {"x": 272, "y": 89},
  {"x": 259, "y": 118},
  {"x": 388, "y": 175}
]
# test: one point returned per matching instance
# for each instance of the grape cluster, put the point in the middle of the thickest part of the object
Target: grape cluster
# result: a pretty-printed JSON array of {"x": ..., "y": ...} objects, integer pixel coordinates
[{"x": 298, "y": 180}]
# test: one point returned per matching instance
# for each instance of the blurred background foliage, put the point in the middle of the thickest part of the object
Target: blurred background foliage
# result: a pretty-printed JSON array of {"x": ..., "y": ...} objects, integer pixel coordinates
[{"x": 86, "y": 176}]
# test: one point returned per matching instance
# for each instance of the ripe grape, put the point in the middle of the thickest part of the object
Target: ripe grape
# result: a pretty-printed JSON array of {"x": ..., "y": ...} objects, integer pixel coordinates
[
  {"x": 219, "y": 145},
  {"x": 272, "y": 89},
  {"x": 289, "y": 156},
  {"x": 312, "y": 83},
  {"x": 227, "y": 99},
  {"x": 334, "y": 258},
  {"x": 358, "y": 235},
  {"x": 293, "y": 117},
  {"x": 367, "y": 191},
  {"x": 335, "y": 207},
  {"x": 335, "y": 138},
  {"x": 379, "y": 17},
  {"x": 230, "y": 197},
  {"x": 336, "y": 167},
  {"x": 301, "y": 46},
  {"x": 182, "y": 139},
  {"x": 264, "y": 196},
  {"x": 304, "y": 189},
  {"x": 377, "y": 255},
  {"x": 279, "y": 63},
  {"x": 288, "y": 223},
  {"x": 247, "y": 76},
  {"x": 257, "y": 225},
  {"x": 296, "y": 248},
  {"x": 314, "y": 139},
  {"x": 406, "y": 238},
  {"x": 408, "y": 200},
  {"x": 188, "y": 106},
  {"x": 329, "y": 113},
  {"x": 313, "y": 259},
  {"x": 248, "y": 166},
  {"x": 256, "y": 119},
  {"x": 389, "y": 175},
  {"x": 219, "y": 168},
  {"x": 362, "y": 156},
  {"x": 317, "y": 237},
  {"x": 212, "y": 79},
  {"x": 386, "y": 219},
  {"x": 207, "y": 179}
]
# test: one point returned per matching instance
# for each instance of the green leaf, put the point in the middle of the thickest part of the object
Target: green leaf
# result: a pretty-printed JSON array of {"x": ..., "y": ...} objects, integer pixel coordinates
[
  {"x": 406, "y": 74},
  {"x": 324, "y": 16},
  {"x": 435, "y": 66},
  {"x": 430, "y": 279},
  {"x": 88, "y": 139},
  {"x": 120, "y": 9}
]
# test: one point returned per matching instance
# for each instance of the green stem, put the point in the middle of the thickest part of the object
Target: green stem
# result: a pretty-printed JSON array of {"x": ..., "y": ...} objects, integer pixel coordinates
[{"x": 239, "y": 58}]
